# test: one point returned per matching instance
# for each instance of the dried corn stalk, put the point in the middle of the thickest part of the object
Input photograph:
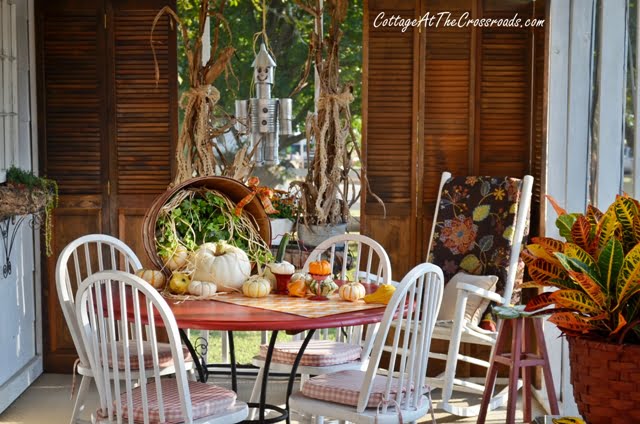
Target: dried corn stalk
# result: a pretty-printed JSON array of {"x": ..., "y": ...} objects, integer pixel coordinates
[
  {"x": 327, "y": 192},
  {"x": 194, "y": 152}
]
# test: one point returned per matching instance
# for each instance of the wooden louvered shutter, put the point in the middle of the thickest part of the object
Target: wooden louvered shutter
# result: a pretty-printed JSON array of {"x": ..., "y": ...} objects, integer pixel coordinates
[
  {"x": 73, "y": 135},
  {"x": 144, "y": 115},
  {"x": 107, "y": 132},
  {"x": 448, "y": 100},
  {"x": 389, "y": 135},
  {"x": 445, "y": 98},
  {"x": 505, "y": 83}
]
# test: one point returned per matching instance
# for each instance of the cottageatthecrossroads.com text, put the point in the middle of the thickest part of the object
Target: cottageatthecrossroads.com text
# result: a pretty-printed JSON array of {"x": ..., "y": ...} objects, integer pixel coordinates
[{"x": 447, "y": 20}]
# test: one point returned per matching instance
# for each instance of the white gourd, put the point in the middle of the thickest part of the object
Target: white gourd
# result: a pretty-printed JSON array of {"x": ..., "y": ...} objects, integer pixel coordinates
[
  {"x": 256, "y": 286},
  {"x": 283, "y": 267},
  {"x": 178, "y": 258},
  {"x": 202, "y": 288},
  {"x": 220, "y": 263},
  {"x": 352, "y": 292},
  {"x": 153, "y": 277}
]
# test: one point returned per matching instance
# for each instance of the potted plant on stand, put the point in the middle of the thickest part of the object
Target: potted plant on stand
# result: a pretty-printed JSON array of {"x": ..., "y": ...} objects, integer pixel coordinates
[
  {"x": 596, "y": 271},
  {"x": 285, "y": 204}
]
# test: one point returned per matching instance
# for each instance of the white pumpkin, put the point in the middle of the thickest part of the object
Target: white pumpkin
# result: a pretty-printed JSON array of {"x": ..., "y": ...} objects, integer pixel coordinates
[
  {"x": 220, "y": 263},
  {"x": 256, "y": 286},
  {"x": 178, "y": 258},
  {"x": 202, "y": 288},
  {"x": 284, "y": 268},
  {"x": 153, "y": 277},
  {"x": 352, "y": 291}
]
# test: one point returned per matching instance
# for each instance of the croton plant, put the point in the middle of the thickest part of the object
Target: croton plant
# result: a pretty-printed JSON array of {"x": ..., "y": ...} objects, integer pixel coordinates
[{"x": 596, "y": 271}]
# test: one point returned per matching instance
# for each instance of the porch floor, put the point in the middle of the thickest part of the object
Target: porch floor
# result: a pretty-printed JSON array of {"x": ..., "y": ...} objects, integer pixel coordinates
[{"x": 48, "y": 400}]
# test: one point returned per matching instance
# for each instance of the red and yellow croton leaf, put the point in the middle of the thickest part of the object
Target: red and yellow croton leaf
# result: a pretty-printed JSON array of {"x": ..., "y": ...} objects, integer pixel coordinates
[
  {"x": 540, "y": 301},
  {"x": 576, "y": 300},
  {"x": 621, "y": 323},
  {"x": 571, "y": 322},
  {"x": 590, "y": 287},
  {"x": 607, "y": 226},
  {"x": 610, "y": 262},
  {"x": 626, "y": 210},
  {"x": 629, "y": 278},
  {"x": 559, "y": 210},
  {"x": 541, "y": 271},
  {"x": 581, "y": 234},
  {"x": 573, "y": 251},
  {"x": 536, "y": 250}
]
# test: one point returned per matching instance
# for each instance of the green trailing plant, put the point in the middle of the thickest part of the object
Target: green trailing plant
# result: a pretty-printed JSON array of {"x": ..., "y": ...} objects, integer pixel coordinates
[
  {"x": 596, "y": 271},
  {"x": 37, "y": 186},
  {"x": 196, "y": 216}
]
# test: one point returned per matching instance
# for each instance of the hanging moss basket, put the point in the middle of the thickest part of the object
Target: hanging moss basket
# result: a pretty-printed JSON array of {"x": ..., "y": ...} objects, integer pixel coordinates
[
  {"x": 24, "y": 193},
  {"x": 18, "y": 199}
]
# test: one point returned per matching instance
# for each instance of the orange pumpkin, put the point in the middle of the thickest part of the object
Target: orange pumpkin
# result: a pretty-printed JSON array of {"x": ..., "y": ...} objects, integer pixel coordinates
[
  {"x": 297, "y": 287},
  {"x": 320, "y": 268}
]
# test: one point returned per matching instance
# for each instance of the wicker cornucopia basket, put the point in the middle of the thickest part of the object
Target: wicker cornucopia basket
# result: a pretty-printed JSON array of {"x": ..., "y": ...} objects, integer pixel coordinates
[{"x": 233, "y": 189}]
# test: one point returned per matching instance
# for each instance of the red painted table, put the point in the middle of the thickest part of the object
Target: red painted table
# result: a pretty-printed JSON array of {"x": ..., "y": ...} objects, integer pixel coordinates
[{"x": 216, "y": 315}]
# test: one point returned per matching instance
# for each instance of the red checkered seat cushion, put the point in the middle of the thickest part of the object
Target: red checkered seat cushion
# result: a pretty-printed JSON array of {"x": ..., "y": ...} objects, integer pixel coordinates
[
  {"x": 344, "y": 387},
  {"x": 205, "y": 400},
  {"x": 319, "y": 353},
  {"x": 165, "y": 358}
]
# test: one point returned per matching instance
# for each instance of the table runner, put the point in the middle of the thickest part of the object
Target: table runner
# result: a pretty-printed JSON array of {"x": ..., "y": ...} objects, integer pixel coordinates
[{"x": 298, "y": 306}]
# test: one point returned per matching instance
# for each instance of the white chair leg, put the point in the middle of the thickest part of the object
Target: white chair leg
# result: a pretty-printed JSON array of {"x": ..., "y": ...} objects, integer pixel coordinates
[
  {"x": 80, "y": 398},
  {"x": 255, "y": 393}
]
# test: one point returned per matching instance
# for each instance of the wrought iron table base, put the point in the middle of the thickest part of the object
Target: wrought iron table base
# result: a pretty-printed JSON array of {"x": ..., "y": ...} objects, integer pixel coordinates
[{"x": 203, "y": 374}]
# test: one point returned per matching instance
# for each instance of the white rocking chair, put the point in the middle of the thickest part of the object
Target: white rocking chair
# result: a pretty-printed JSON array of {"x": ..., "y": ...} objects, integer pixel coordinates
[{"x": 465, "y": 236}]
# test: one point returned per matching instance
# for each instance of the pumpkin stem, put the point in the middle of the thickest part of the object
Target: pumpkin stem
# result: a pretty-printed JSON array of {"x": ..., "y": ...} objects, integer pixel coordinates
[
  {"x": 220, "y": 249},
  {"x": 283, "y": 247}
]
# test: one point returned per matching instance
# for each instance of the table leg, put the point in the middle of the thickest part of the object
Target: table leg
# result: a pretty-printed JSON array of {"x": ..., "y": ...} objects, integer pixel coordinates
[
  {"x": 200, "y": 366},
  {"x": 232, "y": 358},
  {"x": 294, "y": 368}
]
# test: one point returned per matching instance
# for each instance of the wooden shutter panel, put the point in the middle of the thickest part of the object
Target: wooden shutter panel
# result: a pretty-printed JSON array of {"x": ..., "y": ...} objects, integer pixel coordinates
[
  {"x": 73, "y": 139},
  {"x": 145, "y": 113},
  {"x": 389, "y": 149},
  {"x": 143, "y": 131},
  {"x": 504, "y": 110},
  {"x": 73, "y": 93},
  {"x": 447, "y": 88}
]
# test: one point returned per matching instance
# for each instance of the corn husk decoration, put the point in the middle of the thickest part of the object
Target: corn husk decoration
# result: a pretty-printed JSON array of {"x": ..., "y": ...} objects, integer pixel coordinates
[
  {"x": 327, "y": 193},
  {"x": 194, "y": 153}
]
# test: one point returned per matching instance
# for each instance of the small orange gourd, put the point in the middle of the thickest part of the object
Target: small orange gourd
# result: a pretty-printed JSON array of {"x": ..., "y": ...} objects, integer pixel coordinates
[
  {"x": 320, "y": 267},
  {"x": 297, "y": 287}
]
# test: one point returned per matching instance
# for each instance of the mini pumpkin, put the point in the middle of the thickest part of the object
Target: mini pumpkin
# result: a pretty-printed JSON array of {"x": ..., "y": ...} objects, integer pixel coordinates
[
  {"x": 320, "y": 267},
  {"x": 297, "y": 287},
  {"x": 283, "y": 268},
  {"x": 382, "y": 295},
  {"x": 202, "y": 288},
  {"x": 153, "y": 277},
  {"x": 327, "y": 287},
  {"x": 177, "y": 258},
  {"x": 256, "y": 286},
  {"x": 352, "y": 291},
  {"x": 221, "y": 263}
]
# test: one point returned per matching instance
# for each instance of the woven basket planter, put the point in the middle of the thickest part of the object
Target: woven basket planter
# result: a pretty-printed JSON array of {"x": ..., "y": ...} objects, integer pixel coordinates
[
  {"x": 17, "y": 200},
  {"x": 606, "y": 381}
]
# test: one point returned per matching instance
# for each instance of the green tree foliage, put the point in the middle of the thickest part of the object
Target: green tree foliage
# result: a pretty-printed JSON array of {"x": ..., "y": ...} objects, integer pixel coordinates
[{"x": 288, "y": 30}]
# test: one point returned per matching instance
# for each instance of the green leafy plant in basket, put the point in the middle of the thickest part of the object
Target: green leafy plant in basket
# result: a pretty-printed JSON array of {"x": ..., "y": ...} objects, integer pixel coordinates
[
  {"x": 25, "y": 193},
  {"x": 596, "y": 270}
]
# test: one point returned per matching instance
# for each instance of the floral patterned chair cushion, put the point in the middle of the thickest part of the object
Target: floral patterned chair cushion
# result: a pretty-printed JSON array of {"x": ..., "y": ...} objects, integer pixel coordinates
[{"x": 475, "y": 227}]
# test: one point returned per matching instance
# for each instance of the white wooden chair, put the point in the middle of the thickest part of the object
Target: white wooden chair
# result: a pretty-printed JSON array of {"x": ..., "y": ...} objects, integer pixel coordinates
[
  {"x": 103, "y": 299},
  {"x": 379, "y": 394},
  {"x": 78, "y": 260},
  {"x": 350, "y": 350},
  {"x": 505, "y": 199}
]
